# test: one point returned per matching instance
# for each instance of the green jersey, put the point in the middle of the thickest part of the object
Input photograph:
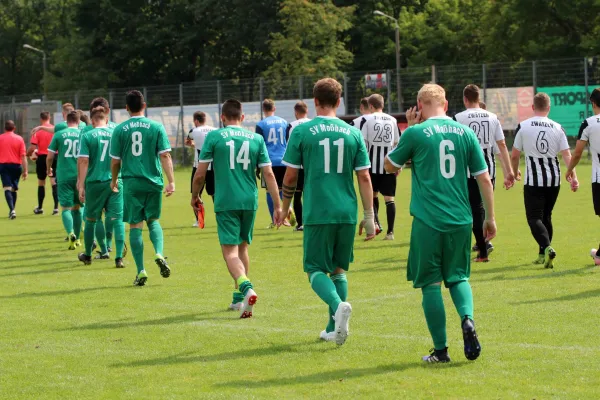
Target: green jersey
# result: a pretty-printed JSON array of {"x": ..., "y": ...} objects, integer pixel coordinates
[
  {"x": 66, "y": 144},
  {"x": 235, "y": 154},
  {"x": 138, "y": 143},
  {"x": 330, "y": 151},
  {"x": 110, "y": 125},
  {"x": 441, "y": 151},
  {"x": 94, "y": 146},
  {"x": 63, "y": 125}
]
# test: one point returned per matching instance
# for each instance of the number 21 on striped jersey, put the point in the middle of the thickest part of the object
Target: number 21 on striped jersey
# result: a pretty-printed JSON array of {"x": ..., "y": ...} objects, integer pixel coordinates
[{"x": 340, "y": 158}]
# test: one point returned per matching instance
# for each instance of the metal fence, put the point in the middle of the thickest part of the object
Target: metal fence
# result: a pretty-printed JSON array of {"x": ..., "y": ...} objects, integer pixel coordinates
[{"x": 502, "y": 84}]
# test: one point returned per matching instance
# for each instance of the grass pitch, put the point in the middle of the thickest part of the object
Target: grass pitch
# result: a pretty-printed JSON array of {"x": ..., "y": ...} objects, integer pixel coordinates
[{"x": 71, "y": 331}]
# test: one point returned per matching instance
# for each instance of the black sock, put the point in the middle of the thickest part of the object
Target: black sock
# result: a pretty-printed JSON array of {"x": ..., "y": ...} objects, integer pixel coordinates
[
  {"x": 9, "y": 200},
  {"x": 14, "y": 196},
  {"x": 390, "y": 207},
  {"x": 376, "y": 209},
  {"x": 298, "y": 207},
  {"x": 41, "y": 196},
  {"x": 55, "y": 196},
  {"x": 195, "y": 215}
]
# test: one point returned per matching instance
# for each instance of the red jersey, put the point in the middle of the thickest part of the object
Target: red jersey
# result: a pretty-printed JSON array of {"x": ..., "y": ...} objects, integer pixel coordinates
[
  {"x": 12, "y": 148},
  {"x": 42, "y": 139}
]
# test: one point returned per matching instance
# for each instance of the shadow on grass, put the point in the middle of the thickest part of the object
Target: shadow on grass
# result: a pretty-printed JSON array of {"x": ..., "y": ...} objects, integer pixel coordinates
[
  {"x": 569, "y": 297},
  {"x": 373, "y": 246},
  {"x": 387, "y": 260},
  {"x": 61, "y": 292},
  {"x": 397, "y": 268},
  {"x": 508, "y": 268},
  {"x": 249, "y": 354},
  {"x": 176, "y": 319},
  {"x": 59, "y": 270},
  {"x": 543, "y": 274},
  {"x": 32, "y": 258}
]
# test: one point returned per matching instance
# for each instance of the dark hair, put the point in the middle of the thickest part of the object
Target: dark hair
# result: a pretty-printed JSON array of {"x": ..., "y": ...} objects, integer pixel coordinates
[
  {"x": 376, "y": 100},
  {"x": 99, "y": 102},
  {"x": 327, "y": 91},
  {"x": 301, "y": 107},
  {"x": 73, "y": 117},
  {"x": 200, "y": 117},
  {"x": 45, "y": 116},
  {"x": 364, "y": 102},
  {"x": 232, "y": 110},
  {"x": 9, "y": 126},
  {"x": 595, "y": 97},
  {"x": 471, "y": 93},
  {"x": 134, "y": 100},
  {"x": 98, "y": 112},
  {"x": 83, "y": 117},
  {"x": 268, "y": 105}
]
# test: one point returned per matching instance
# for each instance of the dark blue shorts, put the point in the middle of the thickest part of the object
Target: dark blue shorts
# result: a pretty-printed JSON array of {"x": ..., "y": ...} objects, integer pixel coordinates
[{"x": 10, "y": 175}]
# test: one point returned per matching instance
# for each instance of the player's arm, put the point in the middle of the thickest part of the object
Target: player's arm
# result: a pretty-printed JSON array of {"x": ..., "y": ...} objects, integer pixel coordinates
[
  {"x": 273, "y": 189},
  {"x": 52, "y": 148},
  {"x": 167, "y": 163},
  {"x": 198, "y": 183},
  {"x": 505, "y": 162},
  {"x": 115, "y": 170},
  {"x": 188, "y": 140},
  {"x": 290, "y": 181},
  {"x": 24, "y": 163},
  {"x": 487, "y": 194},
  {"x": 31, "y": 149},
  {"x": 582, "y": 142}
]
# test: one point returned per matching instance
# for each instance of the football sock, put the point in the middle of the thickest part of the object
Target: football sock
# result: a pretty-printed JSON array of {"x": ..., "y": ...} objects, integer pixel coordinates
[
  {"x": 88, "y": 236},
  {"x": 478, "y": 213},
  {"x": 298, "y": 207},
  {"x": 325, "y": 289},
  {"x": 14, "y": 196},
  {"x": 108, "y": 229},
  {"x": 136, "y": 242},
  {"x": 41, "y": 196},
  {"x": 67, "y": 219},
  {"x": 77, "y": 221},
  {"x": 9, "y": 200},
  {"x": 435, "y": 315},
  {"x": 341, "y": 287},
  {"x": 100, "y": 236},
  {"x": 119, "y": 228},
  {"x": 238, "y": 297},
  {"x": 244, "y": 284},
  {"x": 156, "y": 236},
  {"x": 55, "y": 196},
  {"x": 540, "y": 233},
  {"x": 462, "y": 297},
  {"x": 390, "y": 208},
  {"x": 376, "y": 209},
  {"x": 270, "y": 205}
]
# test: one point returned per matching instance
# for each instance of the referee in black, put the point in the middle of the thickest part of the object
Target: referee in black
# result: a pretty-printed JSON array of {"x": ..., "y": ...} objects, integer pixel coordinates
[{"x": 541, "y": 139}]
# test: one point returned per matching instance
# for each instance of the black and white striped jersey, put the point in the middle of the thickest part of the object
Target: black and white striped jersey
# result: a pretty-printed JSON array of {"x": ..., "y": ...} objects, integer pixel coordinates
[
  {"x": 356, "y": 121},
  {"x": 381, "y": 135},
  {"x": 488, "y": 130},
  {"x": 198, "y": 135},
  {"x": 590, "y": 132},
  {"x": 294, "y": 124},
  {"x": 541, "y": 139}
]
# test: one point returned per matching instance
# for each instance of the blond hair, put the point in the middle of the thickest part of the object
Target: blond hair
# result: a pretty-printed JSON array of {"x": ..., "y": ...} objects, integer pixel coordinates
[
  {"x": 541, "y": 102},
  {"x": 431, "y": 93}
]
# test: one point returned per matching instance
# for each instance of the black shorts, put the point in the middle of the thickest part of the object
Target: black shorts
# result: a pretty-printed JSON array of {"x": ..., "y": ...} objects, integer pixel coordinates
[
  {"x": 596, "y": 197},
  {"x": 384, "y": 184},
  {"x": 279, "y": 173},
  {"x": 40, "y": 167},
  {"x": 209, "y": 182},
  {"x": 540, "y": 201},
  {"x": 10, "y": 175},
  {"x": 300, "y": 184}
]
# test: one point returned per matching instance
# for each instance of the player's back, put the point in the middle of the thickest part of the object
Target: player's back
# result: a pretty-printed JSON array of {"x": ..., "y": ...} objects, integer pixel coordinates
[
  {"x": 330, "y": 151},
  {"x": 235, "y": 154},
  {"x": 590, "y": 132},
  {"x": 95, "y": 143},
  {"x": 273, "y": 129},
  {"x": 198, "y": 135},
  {"x": 42, "y": 140},
  {"x": 66, "y": 144},
  {"x": 138, "y": 142},
  {"x": 381, "y": 134}
]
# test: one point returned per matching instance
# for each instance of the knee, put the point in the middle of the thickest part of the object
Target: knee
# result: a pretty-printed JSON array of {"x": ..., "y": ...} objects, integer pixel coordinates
[{"x": 389, "y": 199}]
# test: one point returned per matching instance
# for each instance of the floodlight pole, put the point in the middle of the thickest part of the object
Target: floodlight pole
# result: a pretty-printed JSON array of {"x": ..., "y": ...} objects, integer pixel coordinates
[{"x": 398, "y": 80}]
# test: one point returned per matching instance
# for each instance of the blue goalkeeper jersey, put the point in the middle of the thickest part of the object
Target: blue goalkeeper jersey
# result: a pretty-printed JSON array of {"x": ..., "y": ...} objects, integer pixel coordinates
[{"x": 274, "y": 131}]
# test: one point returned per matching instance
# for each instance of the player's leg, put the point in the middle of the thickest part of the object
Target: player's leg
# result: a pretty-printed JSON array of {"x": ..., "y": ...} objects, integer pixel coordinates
[
  {"x": 77, "y": 213},
  {"x": 133, "y": 214},
  {"x": 478, "y": 213},
  {"x": 534, "y": 210},
  {"x": 375, "y": 186},
  {"x": 388, "y": 190},
  {"x": 108, "y": 230},
  {"x": 153, "y": 210},
  {"x": 191, "y": 187},
  {"x": 298, "y": 200},
  {"x": 595, "y": 253},
  {"x": 54, "y": 187},
  {"x": 6, "y": 178},
  {"x": 456, "y": 270},
  {"x": 92, "y": 216},
  {"x": 343, "y": 256},
  {"x": 551, "y": 195},
  {"x": 114, "y": 214},
  {"x": 40, "y": 170}
]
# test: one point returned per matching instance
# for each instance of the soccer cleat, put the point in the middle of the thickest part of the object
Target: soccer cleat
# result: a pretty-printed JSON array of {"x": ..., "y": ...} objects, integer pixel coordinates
[
  {"x": 540, "y": 259},
  {"x": 271, "y": 226},
  {"x": 109, "y": 249},
  {"x": 125, "y": 250},
  {"x": 595, "y": 257},
  {"x": 12, "y": 214},
  {"x": 235, "y": 306},
  {"x": 101, "y": 256},
  {"x": 472, "y": 346},
  {"x": 481, "y": 259},
  {"x": 55, "y": 211},
  {"x": 77, "y": 243},
  {"x": 248, "y": 304},
  {"x": 38, "y": 211},
  {"x": 549, "y": 256},
  {"x": 389, "y": 236},
  {"x": 72, "y": 241},
  {"x": 141, "y": 278},
  {"x": 94, "y": 245},
  {"x": 292, "y": 218},
  {"x": 490, "y": 247},
  {"x": 86, "y": 260},
  {"x": 195, "y": 224},
  {"x": 437, "y": 356},
  {"x": 327, "y": 336},
  {"x": 475, "y": 248},
  {"x": 342, "y": 319},
  {"x": 378, "y": 229},
  {"x": 119, "y": 263},
  {"x": 165, "y": 271},
  {"x": 299, "y": 228}
]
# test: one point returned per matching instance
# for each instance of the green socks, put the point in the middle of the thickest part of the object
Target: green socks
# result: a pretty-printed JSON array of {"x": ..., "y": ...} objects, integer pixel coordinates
[
  {"x": 109, "y": 224},
  {"x": 100, "y": 236},
  {"x": 156, "y": 236},
  {"x": 341, "y": 287},
  {"x": 67, "y": 219},
  {"x": 325, "y": 289},
  {"x": 244, "y": 285},
  {"x": 119, "y": 228},
  {"x": 433, "y": 306},
  {"x": 238, "y": 297},
  {"x": 137, "y": 247},
  {"x": 77, "y": 222},
  {"x": 462, "y": 297},
  {"x": 88, "y": 237}
]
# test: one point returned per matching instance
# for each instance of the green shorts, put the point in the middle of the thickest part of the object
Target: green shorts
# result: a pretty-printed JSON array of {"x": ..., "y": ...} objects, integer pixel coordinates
[
  {"x": 100, "y": 197},
  {"x": 142, "y": 201},
  {"x": 436, "y": 256},
  {"x": 328, "y": 246},
  {"x": 235, "y": 227},
  {"x": 68, "y": 195}
]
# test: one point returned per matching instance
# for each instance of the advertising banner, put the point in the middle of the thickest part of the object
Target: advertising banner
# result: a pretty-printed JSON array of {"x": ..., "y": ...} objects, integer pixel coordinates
[
  {"x": 511, "y": 105},
  {"x": 376, "y": 81},
  {"x": 568, "y": 106}
]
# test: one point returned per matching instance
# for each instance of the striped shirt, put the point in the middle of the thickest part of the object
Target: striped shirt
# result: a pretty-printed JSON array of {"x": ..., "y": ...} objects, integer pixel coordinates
[
  {"x": 198, "y": 135},
  {"x": 381, "y": 135},
  {"x": 590, "y": 132},
  {"x": 541, "y": 139},
  {"x": 488, "y": 130}
]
